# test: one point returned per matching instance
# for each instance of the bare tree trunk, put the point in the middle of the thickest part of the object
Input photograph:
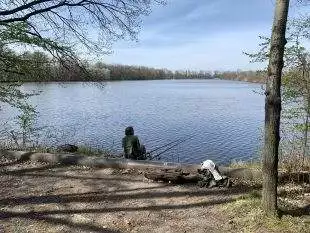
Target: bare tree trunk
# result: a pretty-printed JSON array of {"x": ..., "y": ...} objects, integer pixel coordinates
[
  {"x": 306, "y": 77},
  {"x": 305, "y": 149},
  {"x": 273, "y": 108}
]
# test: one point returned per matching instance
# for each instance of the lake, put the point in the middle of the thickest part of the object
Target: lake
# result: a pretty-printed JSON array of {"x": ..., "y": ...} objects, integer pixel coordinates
[{"x": 223, "y": 119}]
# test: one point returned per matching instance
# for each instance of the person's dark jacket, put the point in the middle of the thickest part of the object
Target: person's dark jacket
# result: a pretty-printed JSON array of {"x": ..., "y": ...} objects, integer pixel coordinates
[{"x": 131, "y": 146}]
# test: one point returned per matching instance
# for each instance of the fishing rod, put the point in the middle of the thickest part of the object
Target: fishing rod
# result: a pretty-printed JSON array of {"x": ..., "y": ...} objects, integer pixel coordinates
[
  {"x": 168, "y": 144},
  {"x": 169, "y": 148}
]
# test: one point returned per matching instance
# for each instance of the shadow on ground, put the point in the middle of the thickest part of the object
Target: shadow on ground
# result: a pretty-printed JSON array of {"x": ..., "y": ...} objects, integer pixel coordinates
[
  {"x": 296, "y": 212},
  {"x": 105, "y": 194}
]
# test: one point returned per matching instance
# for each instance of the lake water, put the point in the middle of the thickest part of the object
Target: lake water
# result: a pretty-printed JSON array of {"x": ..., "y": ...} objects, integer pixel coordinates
[{"x": 225, "y": 118}]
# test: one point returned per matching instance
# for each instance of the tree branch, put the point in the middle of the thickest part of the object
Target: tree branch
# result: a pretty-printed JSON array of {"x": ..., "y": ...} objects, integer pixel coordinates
[
  {"x": 23, "y": 7},
  {"x": 39, "y": 11}
]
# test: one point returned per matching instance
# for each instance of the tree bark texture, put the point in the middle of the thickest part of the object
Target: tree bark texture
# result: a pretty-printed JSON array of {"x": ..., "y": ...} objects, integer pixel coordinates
[{"x": 273, "y": 108}]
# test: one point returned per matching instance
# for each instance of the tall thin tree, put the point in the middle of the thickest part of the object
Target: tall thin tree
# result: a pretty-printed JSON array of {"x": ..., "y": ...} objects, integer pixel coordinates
[{"x": 273, "y": 108}]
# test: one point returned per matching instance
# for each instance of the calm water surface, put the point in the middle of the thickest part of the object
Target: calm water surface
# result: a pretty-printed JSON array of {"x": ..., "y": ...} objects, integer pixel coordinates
[{"x": 225, "y": 117}]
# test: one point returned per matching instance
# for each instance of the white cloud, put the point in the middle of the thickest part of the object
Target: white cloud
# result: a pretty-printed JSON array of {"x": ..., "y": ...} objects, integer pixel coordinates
[{"x": 200, "y": 35}]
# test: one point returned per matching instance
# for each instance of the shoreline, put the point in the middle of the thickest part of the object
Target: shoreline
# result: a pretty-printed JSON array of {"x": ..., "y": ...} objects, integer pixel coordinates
[
  {"x": 246, "y": 173},
  {"x": 128, "y": 80}
]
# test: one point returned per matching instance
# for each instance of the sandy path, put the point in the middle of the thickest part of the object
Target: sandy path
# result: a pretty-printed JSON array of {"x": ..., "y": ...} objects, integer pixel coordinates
[{"x": 43, "y": 198}]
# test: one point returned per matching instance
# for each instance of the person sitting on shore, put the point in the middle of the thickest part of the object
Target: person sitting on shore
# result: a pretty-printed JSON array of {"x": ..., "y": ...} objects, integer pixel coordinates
[{"x": 132, "y": 147}]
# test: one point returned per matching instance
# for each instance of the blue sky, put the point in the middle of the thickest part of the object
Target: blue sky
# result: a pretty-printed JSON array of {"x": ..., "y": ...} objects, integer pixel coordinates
[{"x": 199, "y": 35}]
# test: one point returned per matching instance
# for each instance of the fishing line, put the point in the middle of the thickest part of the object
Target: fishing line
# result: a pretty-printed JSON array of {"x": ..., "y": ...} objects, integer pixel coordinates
[
  {"x": 174, "y": 145},
  {"x": 168, "y": 144}
]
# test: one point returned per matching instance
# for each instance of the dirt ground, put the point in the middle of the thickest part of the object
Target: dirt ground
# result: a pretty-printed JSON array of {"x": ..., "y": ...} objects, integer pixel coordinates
[{"x": 45, "y": 198}]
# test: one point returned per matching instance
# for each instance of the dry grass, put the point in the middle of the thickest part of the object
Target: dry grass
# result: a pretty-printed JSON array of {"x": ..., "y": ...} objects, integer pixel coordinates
[
  {"x": 289, "y": 163},
  {"x": 82, "y": 150},
  {"x": 253, "y": 164},
  {"x": 246, "y": 215},
  {"x": 294, "y": 163}
]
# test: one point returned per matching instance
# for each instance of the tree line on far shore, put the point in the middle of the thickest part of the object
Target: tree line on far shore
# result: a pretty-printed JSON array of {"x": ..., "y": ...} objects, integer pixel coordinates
[{"x": 39, "y": 67}]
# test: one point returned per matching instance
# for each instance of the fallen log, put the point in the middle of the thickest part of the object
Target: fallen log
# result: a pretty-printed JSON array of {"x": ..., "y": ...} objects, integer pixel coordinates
[
  {"x": 75, "y": 159},
  {"x": 177, "y": 176}
]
